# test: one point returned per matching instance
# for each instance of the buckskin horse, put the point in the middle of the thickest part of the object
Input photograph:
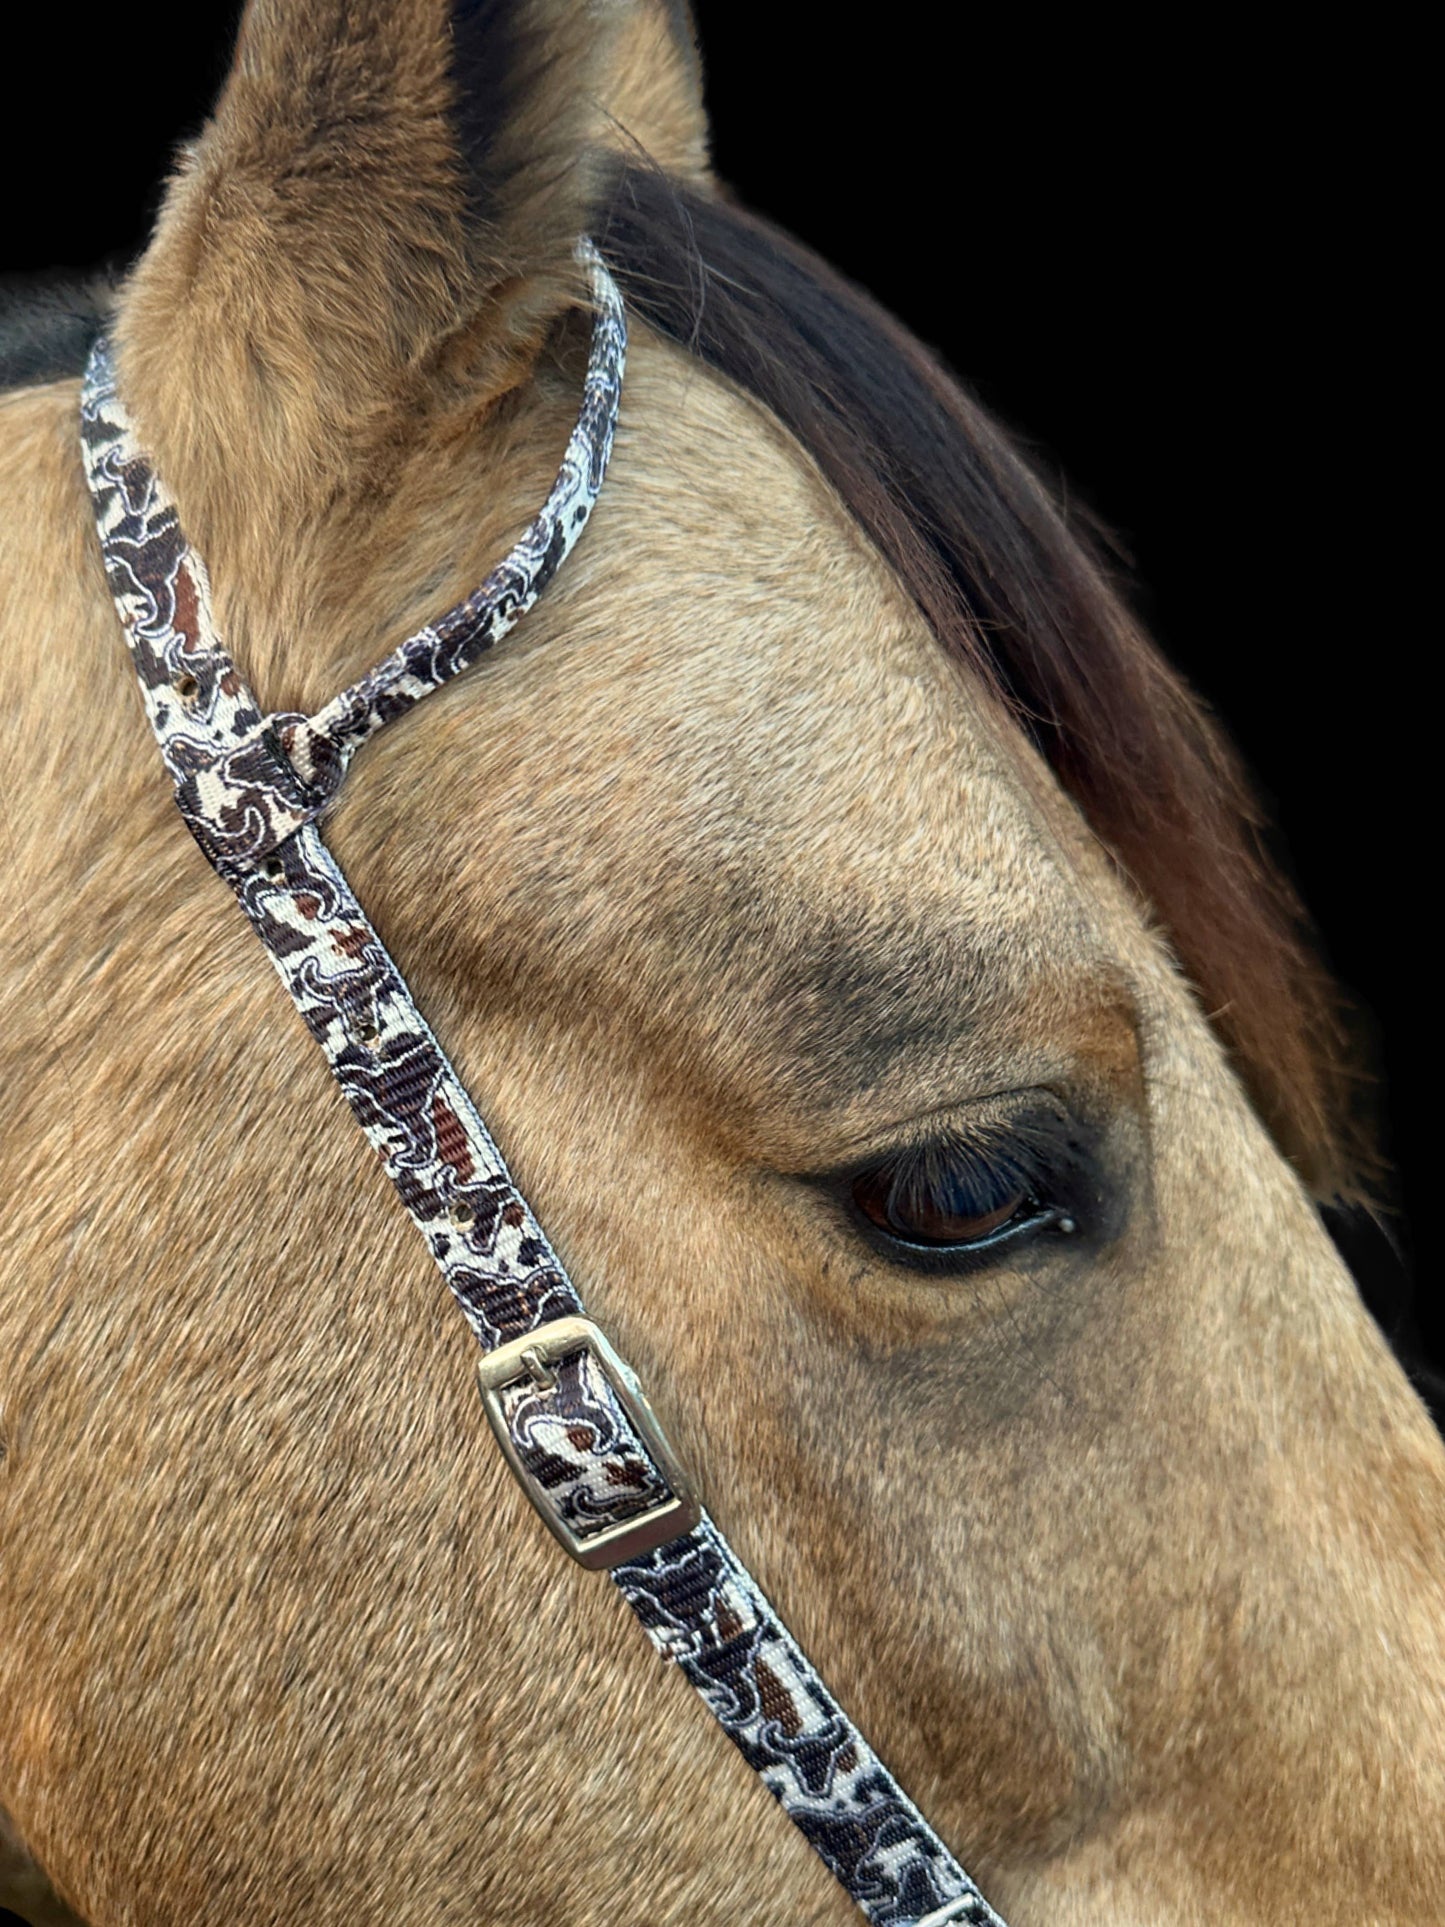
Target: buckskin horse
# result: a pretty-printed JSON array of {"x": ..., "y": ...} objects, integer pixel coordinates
[{"x": 859, "y": 943}]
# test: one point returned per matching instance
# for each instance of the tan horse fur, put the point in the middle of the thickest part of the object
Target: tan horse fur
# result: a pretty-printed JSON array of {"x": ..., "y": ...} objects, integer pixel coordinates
[{"x": 1126, "y": 1555}]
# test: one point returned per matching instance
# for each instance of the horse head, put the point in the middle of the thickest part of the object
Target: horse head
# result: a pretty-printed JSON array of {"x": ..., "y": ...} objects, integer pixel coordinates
[{"x": 859, "y": 941}]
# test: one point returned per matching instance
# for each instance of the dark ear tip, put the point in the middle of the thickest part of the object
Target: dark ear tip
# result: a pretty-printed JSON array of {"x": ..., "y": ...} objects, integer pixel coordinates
[
  {"x": 538, "y": 81},
  {"x": 684, "y": 32},
  {"x": 689, "y": 46},
  {"x": 483, "y": 71}
]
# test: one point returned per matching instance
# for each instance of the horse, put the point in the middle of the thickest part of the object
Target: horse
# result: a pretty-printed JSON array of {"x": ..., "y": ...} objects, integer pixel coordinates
[{"x": 862, "y": 944}]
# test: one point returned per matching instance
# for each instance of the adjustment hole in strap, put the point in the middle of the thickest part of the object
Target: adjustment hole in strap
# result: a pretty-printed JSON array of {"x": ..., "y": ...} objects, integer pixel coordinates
[
  {"x": 274, "y": 870},
  {"x": 186, "y": 686}
]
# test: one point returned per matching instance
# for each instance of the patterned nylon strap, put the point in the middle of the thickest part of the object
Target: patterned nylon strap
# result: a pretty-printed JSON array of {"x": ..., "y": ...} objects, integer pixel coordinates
[{"x": 251, "y": 787}]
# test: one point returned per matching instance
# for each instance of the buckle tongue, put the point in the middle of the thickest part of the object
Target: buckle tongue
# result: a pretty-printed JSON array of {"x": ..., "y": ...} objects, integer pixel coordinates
[{"x": 528, "y": 1361}]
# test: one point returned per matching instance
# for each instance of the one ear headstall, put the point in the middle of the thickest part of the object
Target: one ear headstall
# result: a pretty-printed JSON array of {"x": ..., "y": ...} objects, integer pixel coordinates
[{"x": 570, "y": 1416}]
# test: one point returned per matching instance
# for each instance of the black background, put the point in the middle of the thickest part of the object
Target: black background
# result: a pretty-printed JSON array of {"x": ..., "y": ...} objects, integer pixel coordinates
[{"x": 1177, "y": 265}]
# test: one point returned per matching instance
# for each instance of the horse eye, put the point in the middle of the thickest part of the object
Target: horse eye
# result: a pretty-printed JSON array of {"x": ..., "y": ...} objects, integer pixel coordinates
[
  {"x": 943, "y": 1196},
  {"x": 929, "y": 1220}
]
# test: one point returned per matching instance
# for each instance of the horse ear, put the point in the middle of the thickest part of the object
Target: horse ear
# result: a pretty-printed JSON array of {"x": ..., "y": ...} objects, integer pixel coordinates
[
  {"x": 544, "y": 88},
  {"x": 655, "y": 94},
  {"x": 383, "y": 177}
]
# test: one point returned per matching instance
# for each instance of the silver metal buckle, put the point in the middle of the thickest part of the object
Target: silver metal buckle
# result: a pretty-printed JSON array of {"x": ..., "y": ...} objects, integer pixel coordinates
[{"x": 529, "y": 1357}]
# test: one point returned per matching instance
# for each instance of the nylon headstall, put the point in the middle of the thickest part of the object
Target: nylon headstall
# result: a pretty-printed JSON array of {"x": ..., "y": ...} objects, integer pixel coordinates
[{"x": 571, "y": 1418}]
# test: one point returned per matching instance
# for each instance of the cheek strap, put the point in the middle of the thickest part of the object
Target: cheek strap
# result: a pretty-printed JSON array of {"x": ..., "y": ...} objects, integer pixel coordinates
[{"x": 571, "y": 1417}]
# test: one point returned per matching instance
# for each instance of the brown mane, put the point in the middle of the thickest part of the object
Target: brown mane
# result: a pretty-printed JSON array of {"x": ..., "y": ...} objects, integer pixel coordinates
[{"x": 1003, "y": 578}]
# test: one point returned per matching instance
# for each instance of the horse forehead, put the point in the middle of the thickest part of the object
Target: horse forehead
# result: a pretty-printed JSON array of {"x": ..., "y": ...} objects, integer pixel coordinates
[
  {"x": 824, "y": 830},
  {"x": 734, "y": 617},
  {"x": 804, "y": 729}
]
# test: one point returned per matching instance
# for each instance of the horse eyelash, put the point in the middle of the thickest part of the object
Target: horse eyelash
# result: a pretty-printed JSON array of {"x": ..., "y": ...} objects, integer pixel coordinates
[
  {"x": 1038, "y": 1149},
  {"x": 991, "y": 1160}
]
